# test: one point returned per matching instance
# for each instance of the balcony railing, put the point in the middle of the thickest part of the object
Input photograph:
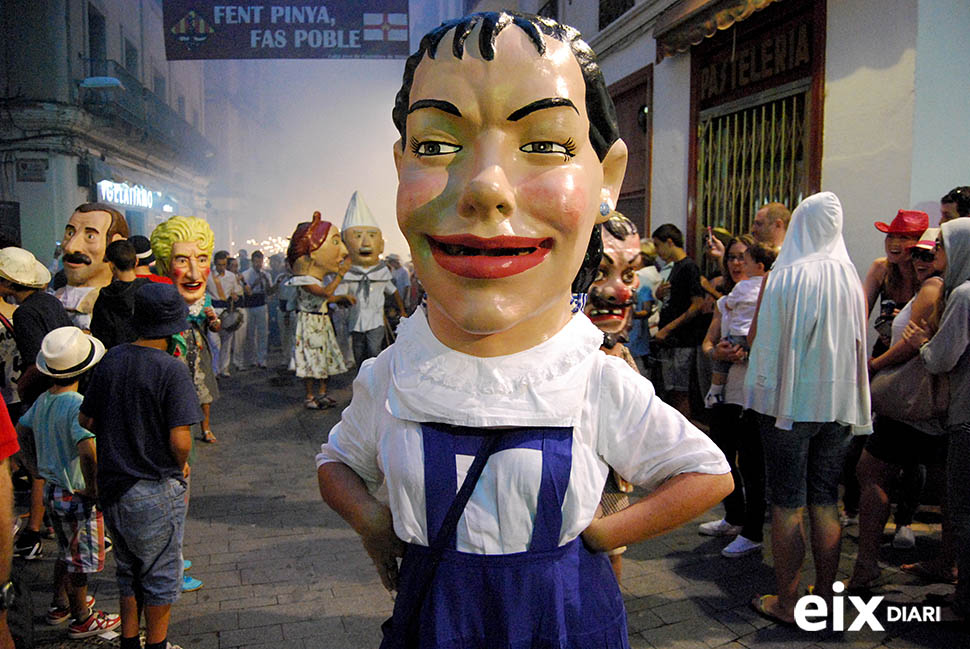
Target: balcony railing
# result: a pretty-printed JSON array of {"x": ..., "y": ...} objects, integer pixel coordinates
[{"x": 141, "y": 109}]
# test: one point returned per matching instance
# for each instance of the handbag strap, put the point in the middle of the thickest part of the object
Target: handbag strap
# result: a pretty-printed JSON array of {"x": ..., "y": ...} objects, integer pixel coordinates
[{"x": 447, "y": 531}]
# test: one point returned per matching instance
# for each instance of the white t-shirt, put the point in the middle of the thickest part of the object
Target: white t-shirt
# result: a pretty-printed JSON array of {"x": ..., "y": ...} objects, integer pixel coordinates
[
  {"x": 616, "y": 419},
  {"x": 737, "y": 307},
  {"x": 230, "y": 285},
  {"x": 71, "y": 297},
  {"x": 251, "y": 278}
]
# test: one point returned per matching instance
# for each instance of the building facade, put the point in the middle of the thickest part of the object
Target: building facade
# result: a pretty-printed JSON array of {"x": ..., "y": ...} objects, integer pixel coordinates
[
  {"x": 727, "y": 104},
  {"x": 94, "y": 111}
]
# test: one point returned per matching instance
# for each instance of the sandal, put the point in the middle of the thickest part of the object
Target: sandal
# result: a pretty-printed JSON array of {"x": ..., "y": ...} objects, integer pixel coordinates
[
  {"x": 311, "y": 404},
  {"x": 758, "y": 604},
  {"x": 208, "y": 437},
  {"x": 927, "y": 573},
  {"x": 324, "y": 401}
]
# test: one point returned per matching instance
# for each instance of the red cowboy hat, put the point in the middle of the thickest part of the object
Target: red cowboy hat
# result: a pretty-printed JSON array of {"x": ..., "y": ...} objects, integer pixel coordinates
[{"x": 911, "y": 222}]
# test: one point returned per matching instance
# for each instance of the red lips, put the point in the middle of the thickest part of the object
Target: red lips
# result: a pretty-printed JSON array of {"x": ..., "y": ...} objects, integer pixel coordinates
[{"x": 475, "y": 257}]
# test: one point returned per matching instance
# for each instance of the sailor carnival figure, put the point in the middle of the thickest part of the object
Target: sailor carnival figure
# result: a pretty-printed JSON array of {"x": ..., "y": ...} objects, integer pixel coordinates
[{"x": 369, "y": 280}]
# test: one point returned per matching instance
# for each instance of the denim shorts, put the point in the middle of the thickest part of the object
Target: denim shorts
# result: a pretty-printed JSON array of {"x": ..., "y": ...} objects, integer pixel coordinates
[
  {"x": 79, "y": 527},
  {"x": 147, "y": 524},
  {"x": 676, "y": 363},
  {"x": 803, "y": 465}
]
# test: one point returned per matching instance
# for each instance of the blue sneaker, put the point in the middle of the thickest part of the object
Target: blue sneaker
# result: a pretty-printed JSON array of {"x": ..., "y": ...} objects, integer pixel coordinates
[
  {"x": 190, "y": 583},
  {"x": 186, "y": 564}
]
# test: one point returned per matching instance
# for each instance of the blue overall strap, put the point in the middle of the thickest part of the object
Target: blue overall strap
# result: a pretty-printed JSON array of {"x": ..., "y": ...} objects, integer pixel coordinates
[
  {"x": 445, "y": 535},
  {"x": 557, "y": 460},
  {"x": 442, "y": 442}
]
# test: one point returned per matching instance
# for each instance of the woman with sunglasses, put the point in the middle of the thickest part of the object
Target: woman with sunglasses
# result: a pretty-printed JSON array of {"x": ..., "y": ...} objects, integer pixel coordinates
[
  {"x": 892, "y": 281},
  {"x": 948, "y": 352},
  {"x": 895, "y": 444}
]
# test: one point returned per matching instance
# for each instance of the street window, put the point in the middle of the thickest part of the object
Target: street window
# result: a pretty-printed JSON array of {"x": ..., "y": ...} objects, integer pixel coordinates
[
  {"x": 158, "y": 85},
  {"x": 549, "y": 9},
  {"x": 131, "y": 57},
  {"x": 610, "y": 10}
]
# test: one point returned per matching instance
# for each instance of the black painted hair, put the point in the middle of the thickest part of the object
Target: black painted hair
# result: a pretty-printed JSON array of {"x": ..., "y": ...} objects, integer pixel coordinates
[
  {"x": 591, "y": 262},
  {"x": 603, "y": 131},
  {"x": 620, "y": 227}
]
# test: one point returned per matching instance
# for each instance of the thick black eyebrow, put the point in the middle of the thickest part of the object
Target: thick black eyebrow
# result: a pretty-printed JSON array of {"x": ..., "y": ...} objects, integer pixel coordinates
[
  {"x": 440, "y": 104},
  {"x": 540, "y": 104}
]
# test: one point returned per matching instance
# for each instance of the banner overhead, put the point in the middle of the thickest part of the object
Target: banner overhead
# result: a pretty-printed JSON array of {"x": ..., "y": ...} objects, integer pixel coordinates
[{"x": 286, "y": 29}]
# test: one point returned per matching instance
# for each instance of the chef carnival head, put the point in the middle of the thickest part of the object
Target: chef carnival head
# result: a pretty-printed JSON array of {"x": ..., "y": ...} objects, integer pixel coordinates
[
  {"x": 88, "y": 232},
  {"x": 509, "y": 154},
  {"x": 612, "y": 295},
  {"x": 361, "y": 234},
  {"x": 315, "y": 248},
  {"x": 183, "y": 250}
]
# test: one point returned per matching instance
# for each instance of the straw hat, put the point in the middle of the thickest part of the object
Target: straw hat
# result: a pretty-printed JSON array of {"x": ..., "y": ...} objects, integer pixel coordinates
[
  {"x": 67, "y": 351},
  {"x": 21, "y": 267}
]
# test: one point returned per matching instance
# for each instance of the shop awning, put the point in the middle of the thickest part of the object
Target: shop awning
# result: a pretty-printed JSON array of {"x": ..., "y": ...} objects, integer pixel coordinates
[{"x": 688, "y": 22}]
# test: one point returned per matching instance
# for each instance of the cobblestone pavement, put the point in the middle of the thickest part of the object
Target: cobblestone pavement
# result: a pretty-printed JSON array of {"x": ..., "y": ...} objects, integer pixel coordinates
[{"x": 282, "y": 571}]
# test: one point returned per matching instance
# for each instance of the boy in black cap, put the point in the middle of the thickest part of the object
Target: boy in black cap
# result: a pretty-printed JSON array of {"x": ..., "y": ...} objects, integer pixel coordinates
[
  {"x": 115, "y": 306},
  {"x": 141, "y": 404}
]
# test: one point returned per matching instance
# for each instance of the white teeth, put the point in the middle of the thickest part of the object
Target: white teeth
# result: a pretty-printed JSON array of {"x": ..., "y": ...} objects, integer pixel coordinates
[{"x": 598, "y": 312}]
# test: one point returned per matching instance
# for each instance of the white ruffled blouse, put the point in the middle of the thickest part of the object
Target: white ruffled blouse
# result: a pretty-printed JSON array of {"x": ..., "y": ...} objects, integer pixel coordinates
[{"x": 616, "y": 417}]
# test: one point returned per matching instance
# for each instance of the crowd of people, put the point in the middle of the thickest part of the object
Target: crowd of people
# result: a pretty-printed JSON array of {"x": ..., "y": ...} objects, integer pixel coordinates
[
  {"x": 773, "y": 350},
  {"x": 551, "y": 366},
  {"x": 111, "y": 358}
]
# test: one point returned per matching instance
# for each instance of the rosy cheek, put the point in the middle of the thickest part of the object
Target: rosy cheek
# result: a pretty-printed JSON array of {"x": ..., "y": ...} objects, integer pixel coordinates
[
  {"x": 178, "y": 274},
  {"x": 558, "y": 197},
  {"x": 417, "y": 190},
  {"x": 205, "y": 272}
]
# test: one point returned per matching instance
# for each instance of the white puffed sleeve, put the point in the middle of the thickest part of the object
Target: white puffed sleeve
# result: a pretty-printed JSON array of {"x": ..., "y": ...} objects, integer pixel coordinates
[
  {"x": 643, "y": 438},
  {"x": 354, "y": 440}
]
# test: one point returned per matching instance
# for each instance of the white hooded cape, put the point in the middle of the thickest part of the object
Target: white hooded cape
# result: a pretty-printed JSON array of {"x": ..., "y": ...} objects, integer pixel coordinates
[{"x": 808, "y": 362}]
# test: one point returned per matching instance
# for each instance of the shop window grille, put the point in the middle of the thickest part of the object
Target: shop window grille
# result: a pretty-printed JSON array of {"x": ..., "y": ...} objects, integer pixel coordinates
[{"x": 751, "y": 156}]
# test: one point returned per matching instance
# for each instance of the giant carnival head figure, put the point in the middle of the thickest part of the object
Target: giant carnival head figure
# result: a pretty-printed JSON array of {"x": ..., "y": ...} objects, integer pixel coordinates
[
  {"x": 183, "y": 251},
  {"x": 315, "y": 248},
  {"x": 509, "y": 155},
  {"x": 361, "y": 234},
  {"x": 87, "y": 234},
  {"x": 613, "y": 293}
]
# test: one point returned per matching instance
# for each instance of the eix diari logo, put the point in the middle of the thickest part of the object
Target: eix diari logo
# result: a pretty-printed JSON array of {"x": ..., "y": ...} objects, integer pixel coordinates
[{"x": 812, "y": 612}]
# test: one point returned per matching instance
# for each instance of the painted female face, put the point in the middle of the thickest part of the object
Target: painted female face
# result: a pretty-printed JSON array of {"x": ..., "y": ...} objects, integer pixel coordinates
[
  {"x": 189, "y": 270},
  {"x": 613, "y": 293},
  {"x": 499, "y": 186},
  {"x": 897, "y": 247},
  {"x": 735, "y": 261},
  {"x": 327, "y": 257}
]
